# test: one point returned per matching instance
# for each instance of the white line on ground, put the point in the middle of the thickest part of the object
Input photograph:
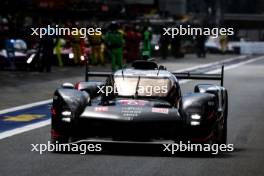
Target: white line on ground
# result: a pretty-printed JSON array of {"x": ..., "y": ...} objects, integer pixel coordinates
[
  {"x": 212, "y": 63},
  {"x": 24, "y": 129},
  {"x": 47, "y": 122},
  {"x": 25, "y": 106},
  {"x": 226, "y": 67},
  {"x": 236, "y": 65}
]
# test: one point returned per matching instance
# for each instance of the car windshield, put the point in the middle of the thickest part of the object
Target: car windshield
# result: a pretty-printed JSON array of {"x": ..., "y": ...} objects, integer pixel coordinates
[{"x": 142, "y": 86}]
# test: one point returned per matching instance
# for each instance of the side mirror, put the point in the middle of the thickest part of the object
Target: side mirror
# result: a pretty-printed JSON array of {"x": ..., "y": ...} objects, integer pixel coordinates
[
  {"x": 67, "y": 86},
  {"x": 161, "y": 67}
]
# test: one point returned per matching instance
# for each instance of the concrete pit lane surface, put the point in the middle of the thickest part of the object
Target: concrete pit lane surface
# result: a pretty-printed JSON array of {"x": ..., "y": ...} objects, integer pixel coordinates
[{"x": 245, "y": 84}]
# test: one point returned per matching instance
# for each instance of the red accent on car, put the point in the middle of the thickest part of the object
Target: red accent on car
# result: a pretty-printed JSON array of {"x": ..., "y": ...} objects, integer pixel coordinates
[
  {"x": 101, "y": 109},
  {"x": 160, "y": 110},
  {"x": 210, "y": 115},
  {"x": 54, "y": 134},
  {"x": 133, "y": 102},
  {"x": 77, "y": 86},
  {"x": 53, "y": 112},
  {"x": 205, "y": 138}
]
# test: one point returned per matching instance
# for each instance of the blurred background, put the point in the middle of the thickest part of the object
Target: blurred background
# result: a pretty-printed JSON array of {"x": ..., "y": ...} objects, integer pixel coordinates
[{"x": 139, "y": 21}]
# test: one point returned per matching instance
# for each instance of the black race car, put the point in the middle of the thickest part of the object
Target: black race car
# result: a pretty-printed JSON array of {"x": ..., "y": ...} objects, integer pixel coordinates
[
  {"x": 19, "y": 56},
  {"x": 142, "y": 104}
]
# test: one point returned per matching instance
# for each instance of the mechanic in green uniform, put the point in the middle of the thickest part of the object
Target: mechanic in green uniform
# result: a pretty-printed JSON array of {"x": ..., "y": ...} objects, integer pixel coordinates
[
  {"x": 115, "y": 42},
  {"x": 146, "y": 49}
]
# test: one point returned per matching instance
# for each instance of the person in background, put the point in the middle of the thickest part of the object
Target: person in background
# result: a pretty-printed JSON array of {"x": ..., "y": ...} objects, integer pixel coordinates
[
  {"x": 10, "y": 52},
  {"x": 121, "y": 30},
  {"x": 200, "y": 44},
  {"x": 164, "y": 45},
  {"x": 146, "y": 48},
  {"x": 96, "y": 42},
  {"x": 115, "y": 42},
  {"x": 176, "y": 47},
  {"x": 137, "y": 39},
  {"x": 46, "y": 48},
  {"x": 58, "y": 51},
  {"x": 223, "y": 43},
  {"x": 76, "y": 47},
  {"x": 83, "y": 51},
  {"x": 132, "y": 42}
]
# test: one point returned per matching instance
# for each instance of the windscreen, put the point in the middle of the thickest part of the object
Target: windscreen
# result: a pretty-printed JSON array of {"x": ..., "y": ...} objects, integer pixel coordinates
[{"x": 142, "y": 86}]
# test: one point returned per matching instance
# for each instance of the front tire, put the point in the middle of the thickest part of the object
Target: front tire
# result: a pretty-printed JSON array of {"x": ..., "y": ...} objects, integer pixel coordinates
[
  {"x": 221, "y": 129},
  {"x": 224, "y": 130},
  {"x": 57, "y": 138}
]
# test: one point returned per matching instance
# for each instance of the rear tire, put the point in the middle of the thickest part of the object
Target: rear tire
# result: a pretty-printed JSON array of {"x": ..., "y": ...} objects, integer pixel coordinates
[
  {"x": 224, "y": 130},
  {"x": 221, "y": 131},
  {"x": 60, "y": 140}
]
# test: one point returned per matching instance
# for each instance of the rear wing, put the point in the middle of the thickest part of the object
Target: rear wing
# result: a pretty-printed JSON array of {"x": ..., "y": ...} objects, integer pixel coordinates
[
  {"x": 201, "y": 76},
  {"x": 181, "y": 75}
]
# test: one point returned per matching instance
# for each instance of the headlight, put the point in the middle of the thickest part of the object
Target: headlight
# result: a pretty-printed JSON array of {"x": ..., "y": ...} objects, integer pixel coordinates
[
  {"x": 66, "y": 113},
  {"x": 195, "y": 117},
  {"x": 71, "y": 55},
  {"x": 66, "y": 116},
  {"x": 195, "y": 123},
  {"x": 29, "y": 60},
  {"x": 82, "y": 58},
  {"x": 156, "y": 47},
  {"x": 66, "y": 119}
]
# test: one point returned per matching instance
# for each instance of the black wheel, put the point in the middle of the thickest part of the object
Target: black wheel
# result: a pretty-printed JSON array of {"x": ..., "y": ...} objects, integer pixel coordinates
[
  {"x": 60, "y": 139},
  {"x": 220, "y": 132},
  {"x": 221, "y": 129}
]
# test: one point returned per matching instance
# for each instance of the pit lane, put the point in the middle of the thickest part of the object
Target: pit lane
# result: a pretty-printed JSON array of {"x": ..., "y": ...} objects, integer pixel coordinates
[{"x": 245, "y": 125}]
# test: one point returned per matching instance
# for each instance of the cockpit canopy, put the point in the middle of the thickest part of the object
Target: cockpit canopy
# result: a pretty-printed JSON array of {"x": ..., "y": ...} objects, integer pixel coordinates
[{"x": 142, "y": 86}]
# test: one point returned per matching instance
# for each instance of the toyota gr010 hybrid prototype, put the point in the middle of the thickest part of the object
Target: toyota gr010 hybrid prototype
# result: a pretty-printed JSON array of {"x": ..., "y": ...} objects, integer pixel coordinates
[{"x": 140, "y": 104}]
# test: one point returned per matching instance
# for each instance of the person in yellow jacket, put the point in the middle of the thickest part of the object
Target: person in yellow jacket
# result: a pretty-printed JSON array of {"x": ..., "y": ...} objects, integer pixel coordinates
[
  {"x": 76, "y": 48},
  {"x": 96, "y": 42},
  {"x": 58, "y": 51},
  {"x": 223, "y": 43}
]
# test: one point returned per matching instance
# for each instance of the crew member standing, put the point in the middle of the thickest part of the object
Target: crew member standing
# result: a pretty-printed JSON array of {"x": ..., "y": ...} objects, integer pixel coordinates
[
  {"x": 115, "y": 42},
  {"x": 10, "y": 51},
  {"x": 146, "y": 50},
  {"x": 164, "y": 45},
  {"x": 46, "y": 48},
  {"x": 200, "y": 43},
  {"x": 76, "y": 48},
  {"x": 132, "y": 42},
  {"x": 223, "y": 43},
  {"x": 58, "y": 51},
  {"x": 97, "y": 49}
]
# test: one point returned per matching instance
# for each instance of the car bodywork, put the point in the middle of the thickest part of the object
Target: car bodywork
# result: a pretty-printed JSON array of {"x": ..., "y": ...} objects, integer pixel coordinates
[
  {"x": 21, "y": 57},
  {"x": 90, "y": 110}
]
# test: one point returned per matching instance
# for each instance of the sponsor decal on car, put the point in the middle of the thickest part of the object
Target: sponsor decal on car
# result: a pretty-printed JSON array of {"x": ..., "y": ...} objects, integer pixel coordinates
[
  {"x": 131, "y": 111},
  {"x": 101, "y": 109},
  {"x": 160, "y": 110},
  {"x": 133, "y": 102}
]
